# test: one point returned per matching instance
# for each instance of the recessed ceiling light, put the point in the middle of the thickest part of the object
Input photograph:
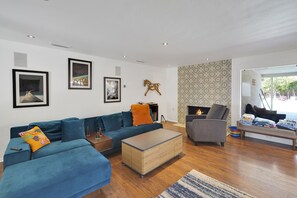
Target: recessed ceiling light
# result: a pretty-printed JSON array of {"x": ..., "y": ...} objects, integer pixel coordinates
[
  {"x": 124, "y": 56},
  {"x": 207, "y": 59},
  {"x": 30, "y": 36},
  {"x": 165, "y": 43}
]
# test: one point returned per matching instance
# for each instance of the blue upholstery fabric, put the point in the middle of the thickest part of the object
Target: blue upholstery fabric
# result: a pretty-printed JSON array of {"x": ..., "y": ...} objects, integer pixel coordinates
[
  {"x": 52, "y": 129},
  {"x": 72, "y": 173},
  {"x": 14, "y": 131},
  {"x": 127, "y": 118},
  {"x": 123, "y": 133},
  {"x": 13, "y": 157},
  {"x": 112, "y": 122},
  {"x": 73, "y": 130},
  {"x": 58, "y": 147},
  {"x": 100, "y": 124}
]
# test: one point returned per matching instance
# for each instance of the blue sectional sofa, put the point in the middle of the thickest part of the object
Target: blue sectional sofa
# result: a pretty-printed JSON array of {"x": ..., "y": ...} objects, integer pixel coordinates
[
  {"x": 118, "y": 126},
  {"x": 64, "y": 169}
]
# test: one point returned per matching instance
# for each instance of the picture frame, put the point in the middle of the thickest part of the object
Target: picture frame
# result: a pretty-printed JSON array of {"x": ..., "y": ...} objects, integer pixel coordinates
[
  {"x": 30, "y": 88},
  {"x": 79, "y": 74},
  {"x": 112, "y": 89}
]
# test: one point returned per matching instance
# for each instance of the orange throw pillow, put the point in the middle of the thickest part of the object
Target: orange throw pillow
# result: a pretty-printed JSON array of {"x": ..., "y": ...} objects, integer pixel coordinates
[
  {"x": 35, "y": 138},
  {"x": 141, "y": 114}
]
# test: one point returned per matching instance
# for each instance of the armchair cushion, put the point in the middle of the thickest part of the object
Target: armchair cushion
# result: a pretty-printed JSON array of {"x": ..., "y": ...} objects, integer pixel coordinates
[{"x": 216, "y": 112}]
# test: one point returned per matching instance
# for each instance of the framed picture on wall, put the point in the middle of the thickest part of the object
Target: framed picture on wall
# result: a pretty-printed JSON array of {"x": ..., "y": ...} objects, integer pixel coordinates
[
  {"x": 30, "y": 88},
  {"x": 79, "y": 74},
  {"x": 112, "y": 89}
]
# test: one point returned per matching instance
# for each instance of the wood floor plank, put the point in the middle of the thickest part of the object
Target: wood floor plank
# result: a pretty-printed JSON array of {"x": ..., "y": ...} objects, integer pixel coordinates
[{"x": 260, "y": 168}]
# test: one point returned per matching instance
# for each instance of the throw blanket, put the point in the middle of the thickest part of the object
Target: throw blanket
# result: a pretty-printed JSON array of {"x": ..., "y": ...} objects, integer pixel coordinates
[{"x": 262, "y": 122}]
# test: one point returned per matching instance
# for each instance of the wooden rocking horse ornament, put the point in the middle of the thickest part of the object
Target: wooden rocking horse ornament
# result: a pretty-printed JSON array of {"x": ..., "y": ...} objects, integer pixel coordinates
[{"x": 151, "y": 86}]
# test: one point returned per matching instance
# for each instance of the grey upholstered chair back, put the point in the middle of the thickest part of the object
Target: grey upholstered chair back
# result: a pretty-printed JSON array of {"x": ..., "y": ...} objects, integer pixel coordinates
[{"x": 217, "y": 111}]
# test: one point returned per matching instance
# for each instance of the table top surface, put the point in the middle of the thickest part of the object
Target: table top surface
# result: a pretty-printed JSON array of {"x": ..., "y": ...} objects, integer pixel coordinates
[
  {"x": 150, "y": 139},
  {"x": 93, "y": 139}
]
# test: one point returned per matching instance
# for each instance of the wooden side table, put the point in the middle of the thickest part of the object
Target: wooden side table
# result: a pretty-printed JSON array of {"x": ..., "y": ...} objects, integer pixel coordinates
[{"x": 102, "y": 144}]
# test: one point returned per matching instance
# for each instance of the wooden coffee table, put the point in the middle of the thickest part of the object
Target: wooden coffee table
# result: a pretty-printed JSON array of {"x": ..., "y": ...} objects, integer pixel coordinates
[
  {"x": 102, "y": 144},
  {"x": 147, "y": 151}
]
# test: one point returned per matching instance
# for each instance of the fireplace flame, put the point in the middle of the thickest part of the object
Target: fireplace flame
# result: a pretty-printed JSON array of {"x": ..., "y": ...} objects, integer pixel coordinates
[{"x": 199, "y": 112}]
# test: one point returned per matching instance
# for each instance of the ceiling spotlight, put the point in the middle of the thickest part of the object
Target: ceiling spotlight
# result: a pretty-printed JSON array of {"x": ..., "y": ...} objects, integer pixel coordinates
[
  {"x": 207, "y": 59},
  {"x": 30, "y": 36},
  {"x": 165, "y": 44},
  {"x": 124, "y": 56}
]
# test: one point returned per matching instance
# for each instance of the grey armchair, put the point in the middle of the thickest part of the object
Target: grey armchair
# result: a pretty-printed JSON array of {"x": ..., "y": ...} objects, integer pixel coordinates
[{"x": 210, "y": 127}]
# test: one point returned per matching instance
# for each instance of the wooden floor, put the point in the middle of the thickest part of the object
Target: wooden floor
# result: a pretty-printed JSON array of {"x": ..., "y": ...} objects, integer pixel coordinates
[{"x": 260, "y": 168}]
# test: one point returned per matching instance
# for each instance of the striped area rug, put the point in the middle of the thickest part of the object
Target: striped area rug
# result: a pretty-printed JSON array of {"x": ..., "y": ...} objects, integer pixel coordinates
[{"x": 195, "y": 185}]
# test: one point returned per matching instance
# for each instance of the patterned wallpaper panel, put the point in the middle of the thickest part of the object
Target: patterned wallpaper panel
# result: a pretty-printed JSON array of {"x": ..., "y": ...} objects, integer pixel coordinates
[{"x": 203, "y": 85}]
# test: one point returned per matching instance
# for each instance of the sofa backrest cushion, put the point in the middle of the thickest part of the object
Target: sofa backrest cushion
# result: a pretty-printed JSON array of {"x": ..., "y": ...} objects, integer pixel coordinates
[
  {"x": 127, "y": 118},
  {"x": 72, "y": 130},
  {"x": 141, "y": 114},
  {"x": 112, "y": 122},
  {"x": 52, "y": 129},
  {"x": 216, "y": 112}
]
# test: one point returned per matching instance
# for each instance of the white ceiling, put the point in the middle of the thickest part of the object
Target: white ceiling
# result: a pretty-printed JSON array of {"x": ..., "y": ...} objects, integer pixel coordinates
[{"x": 194, "y": 29}]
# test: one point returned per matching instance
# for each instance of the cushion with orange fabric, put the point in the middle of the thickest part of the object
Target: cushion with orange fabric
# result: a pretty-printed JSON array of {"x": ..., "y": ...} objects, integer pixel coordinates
[{"x": 141, "y": 114}]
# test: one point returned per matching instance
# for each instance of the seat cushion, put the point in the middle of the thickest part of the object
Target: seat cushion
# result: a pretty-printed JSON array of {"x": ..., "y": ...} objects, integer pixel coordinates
[
  {"x": 59, "y": 146},
  {"x": 68, "y": 174},
  {"x": 73, "y": 130},
  {"x": 112, "y": 122},
  {"x": 216, "y": 112}
]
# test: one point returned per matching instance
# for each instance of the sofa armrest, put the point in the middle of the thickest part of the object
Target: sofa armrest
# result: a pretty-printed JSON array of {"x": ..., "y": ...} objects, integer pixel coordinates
[
  {"x": 13, "y": 157},
  {"x": 191, "y": 117}
]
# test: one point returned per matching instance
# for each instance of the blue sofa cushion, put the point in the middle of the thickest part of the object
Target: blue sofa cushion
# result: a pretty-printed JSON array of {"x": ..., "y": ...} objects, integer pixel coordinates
[
  {"x": 72, "y": 173},
  {"x": 126, "y": 132},
  {"x": 52, "y": 129},
  {"x": 13, "y": 157},
  {"x": 100, "y": 124},
  {"x": 127, "y": 118},
  {"x": 73, "y": 130},
  {"x": 58, "y": 147},
  {"x": 112, "y": 122}
]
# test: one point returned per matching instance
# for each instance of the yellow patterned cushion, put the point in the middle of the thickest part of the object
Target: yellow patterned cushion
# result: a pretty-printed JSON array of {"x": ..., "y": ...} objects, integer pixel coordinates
[{"x": 35, "y": 138}]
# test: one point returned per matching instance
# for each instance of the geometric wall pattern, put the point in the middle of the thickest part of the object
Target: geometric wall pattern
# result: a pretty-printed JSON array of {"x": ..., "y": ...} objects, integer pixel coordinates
[{"x": 203, "y": 85}]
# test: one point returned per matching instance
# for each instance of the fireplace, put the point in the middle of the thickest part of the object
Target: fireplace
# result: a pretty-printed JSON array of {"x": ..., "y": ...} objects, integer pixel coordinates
[{"x": 197, "y": 110}]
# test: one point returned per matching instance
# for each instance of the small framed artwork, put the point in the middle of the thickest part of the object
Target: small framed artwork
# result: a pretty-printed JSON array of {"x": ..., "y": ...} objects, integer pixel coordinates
[
  {"x": 30, "y": 88},
  {"x": 79, "y": 74},
  {"x": 112, "y": 89}
]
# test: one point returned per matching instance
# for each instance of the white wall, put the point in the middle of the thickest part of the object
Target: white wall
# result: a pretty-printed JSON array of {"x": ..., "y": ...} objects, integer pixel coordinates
[
  {"x": 253, "y": 97},
  {"x": 266, "y": 60},
  {"x": 72, "y": 103},
  {"x": 171, "y": 90}
]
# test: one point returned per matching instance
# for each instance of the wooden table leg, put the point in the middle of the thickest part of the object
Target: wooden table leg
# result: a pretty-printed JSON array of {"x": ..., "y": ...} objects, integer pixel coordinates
[{"x": 242, "y": 134}]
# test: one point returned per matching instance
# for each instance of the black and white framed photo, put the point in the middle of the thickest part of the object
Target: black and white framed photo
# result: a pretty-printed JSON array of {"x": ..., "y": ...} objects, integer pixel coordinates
[
  {"x": 30, "y": 88},
  {"x": 79, "y": 74},
  {"x": 112, "y": 89}
]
